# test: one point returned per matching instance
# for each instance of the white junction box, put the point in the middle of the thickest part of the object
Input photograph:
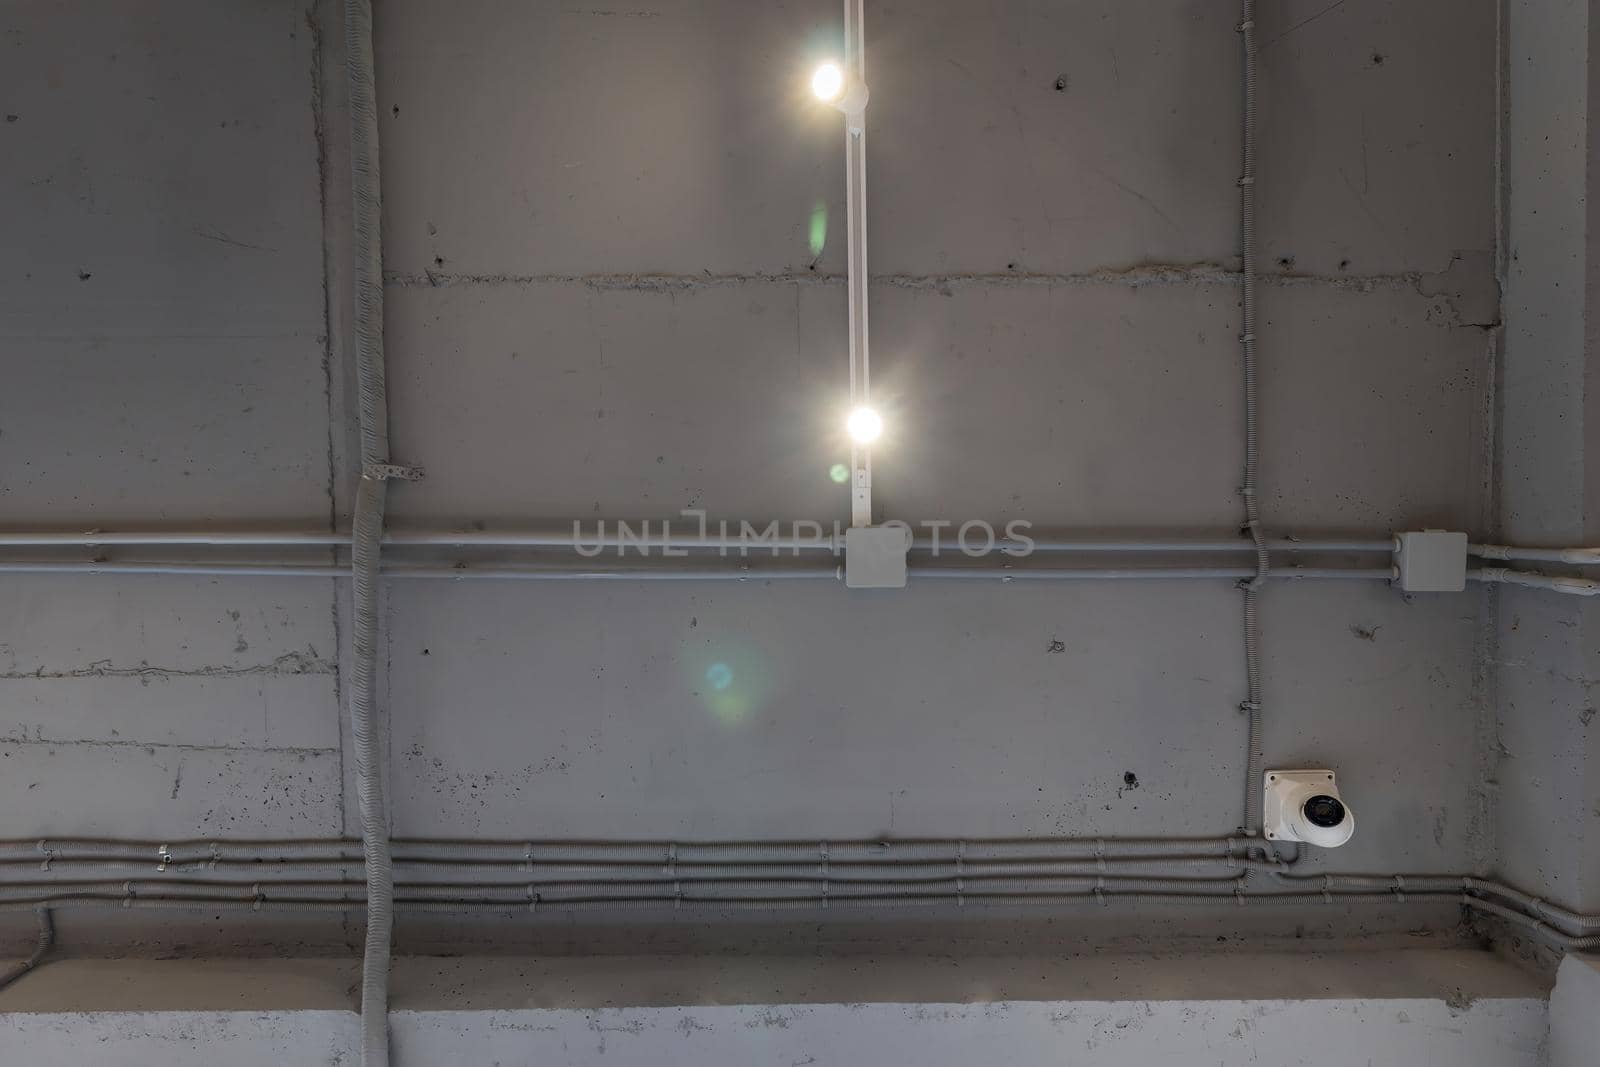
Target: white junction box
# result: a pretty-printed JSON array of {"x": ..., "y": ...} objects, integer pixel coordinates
[
  {"x": 875, "y": 557},
  {"x": 1432, "y": 561}
]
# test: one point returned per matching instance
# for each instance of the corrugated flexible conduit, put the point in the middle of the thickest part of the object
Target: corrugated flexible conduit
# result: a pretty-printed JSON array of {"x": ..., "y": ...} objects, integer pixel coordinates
[
  {"x": 807, "y": 896},
  {"x": 1098, "y": 897},
  {"x": 1247, "y": 342},
  {"x": 519, "y": 872},
  {"x": 633, "y": 862},
  {"x": 367, "y": 528},
  {"x": 47, "y": 939},
  {"x": 49, "y": 851}
]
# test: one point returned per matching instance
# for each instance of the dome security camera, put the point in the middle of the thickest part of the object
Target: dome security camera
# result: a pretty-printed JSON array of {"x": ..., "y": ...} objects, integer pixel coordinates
[{"x": 1305, "y": 805}]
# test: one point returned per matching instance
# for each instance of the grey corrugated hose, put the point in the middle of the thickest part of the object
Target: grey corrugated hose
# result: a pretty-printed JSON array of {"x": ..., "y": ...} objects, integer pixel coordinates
[
  {"x": 367, "y": 532},
  {"x": 47, "y": 938},
  {"x": 1247, "y": 341}
]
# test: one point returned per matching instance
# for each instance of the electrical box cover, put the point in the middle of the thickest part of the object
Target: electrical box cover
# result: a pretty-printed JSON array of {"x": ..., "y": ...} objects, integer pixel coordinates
[
  {"x": 1433, "y": 561},
  {"x": 875, "y": 557}
]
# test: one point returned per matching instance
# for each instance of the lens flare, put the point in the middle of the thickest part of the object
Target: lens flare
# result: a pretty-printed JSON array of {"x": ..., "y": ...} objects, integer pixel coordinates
[
  {"x": 827, "y": 83},
  {"x": 865, "y": 425},
  {"x": 719, "y": 676},
  {"x": 839, "y": 473},
  {"x": 817, "y": 235}
]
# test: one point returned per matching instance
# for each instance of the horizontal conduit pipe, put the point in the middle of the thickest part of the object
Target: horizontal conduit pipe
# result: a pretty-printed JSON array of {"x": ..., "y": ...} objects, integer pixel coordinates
[
  {"x": 908, "y": 874},
  {"x": 565, "y": 538},
  {"x": 727, "y": 570},
  {"x": 1535, "y": 580},
  {"x": 669, "y": 888},
  {"x": 831, "y": 851},
  {"x": 1549, "y": 934},
  {"x": 1573, "y": 923},
  {"x": 601, "y": 875},
  {"x": 1576, "y": 556},
  {"x": 1542, "y": 908},
  {"x": 1226, "y": 897},
  {"x": 1009, "y": 573},
  {"x": 234, "y": 570},
  {"x": 47, "y": 851},
  {"x": 517, "y": 872}
]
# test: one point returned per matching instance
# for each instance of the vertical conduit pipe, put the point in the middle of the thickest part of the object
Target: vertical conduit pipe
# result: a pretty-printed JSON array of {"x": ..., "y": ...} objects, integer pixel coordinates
[
  {"x": 1247, "y": 341},
  {"x": 367, "y": 529},
  {"x": 47, "y": 939}
]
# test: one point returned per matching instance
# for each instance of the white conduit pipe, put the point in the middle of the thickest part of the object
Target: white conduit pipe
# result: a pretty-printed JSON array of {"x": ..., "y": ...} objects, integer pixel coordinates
[
  {"x": 726, "y": 570},
  {"x": 1535, "y": 580},
  {"x": 367, "y": 532},
  {"x": 1576, "y": 556},
  {"x": 1009, "y": 573},
  {"x": 556, "y": 538}
]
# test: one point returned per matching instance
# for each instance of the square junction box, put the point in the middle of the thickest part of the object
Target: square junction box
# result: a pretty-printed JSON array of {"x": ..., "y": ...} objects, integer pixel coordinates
[
  {"x": 875, "y": 557},
  {"x": 1433, "y": 561}
]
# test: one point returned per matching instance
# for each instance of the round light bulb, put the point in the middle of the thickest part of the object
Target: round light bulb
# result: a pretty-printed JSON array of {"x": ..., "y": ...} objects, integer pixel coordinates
[
  {"x": 864, "y": 425},
  {"x": 827, "y": 83}
]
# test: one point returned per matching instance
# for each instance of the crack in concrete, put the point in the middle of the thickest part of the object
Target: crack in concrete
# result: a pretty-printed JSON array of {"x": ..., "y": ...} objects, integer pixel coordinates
[
  {"x": 288, "y": 664},
  {"x": 36, "y": 741},
  {"x": 1140, "y": 274},
  {"x": 1423, "y": 283},
  {"x": 1136, "y": 275}
]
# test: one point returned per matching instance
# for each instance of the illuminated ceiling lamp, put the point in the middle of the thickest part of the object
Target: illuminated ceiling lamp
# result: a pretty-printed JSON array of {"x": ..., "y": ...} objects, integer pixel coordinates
[
  {"x": 874, "y": 556},
  {"x": 844, "y": 85}
]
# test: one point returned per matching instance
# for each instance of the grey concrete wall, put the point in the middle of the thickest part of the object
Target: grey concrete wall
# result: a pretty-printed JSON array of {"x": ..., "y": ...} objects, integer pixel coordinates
[
  {"x": 1055, "y": 339},
  {"x": 163, "y": 325},
  {"x": 1574, "y": 1027},
  {"x": 1548, "y": 659}
]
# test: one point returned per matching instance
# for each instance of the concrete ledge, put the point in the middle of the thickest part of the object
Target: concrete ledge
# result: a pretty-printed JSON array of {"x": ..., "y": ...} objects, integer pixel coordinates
[
  {"x": 422, "y": 984},
  {"x": 1383, "y": 1007}
]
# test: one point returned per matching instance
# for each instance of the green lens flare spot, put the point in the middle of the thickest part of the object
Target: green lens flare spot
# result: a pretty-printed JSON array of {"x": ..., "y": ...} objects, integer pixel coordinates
[
  {"x": 839, "y": 473},
  {"x": 819, "y": 229}
]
